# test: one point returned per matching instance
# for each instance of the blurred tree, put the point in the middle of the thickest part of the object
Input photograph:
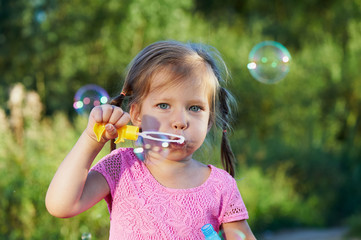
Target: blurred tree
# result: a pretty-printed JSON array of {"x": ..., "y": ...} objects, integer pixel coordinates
[
  {"x": 312, "y": 118},
  {"x": 57, "y": 47},
  {"x": 309, "y": 122}
]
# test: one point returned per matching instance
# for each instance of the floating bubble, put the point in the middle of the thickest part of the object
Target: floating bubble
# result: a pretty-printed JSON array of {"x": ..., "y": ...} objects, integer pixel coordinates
[
  {"x": 156, "y": 142},
  {"x": 269, "y": 62},
  {"x": 89, "y": 96}
]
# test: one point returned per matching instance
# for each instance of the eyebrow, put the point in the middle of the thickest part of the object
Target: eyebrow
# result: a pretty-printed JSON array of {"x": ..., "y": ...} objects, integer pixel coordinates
[{"x": 197, "y": 101}]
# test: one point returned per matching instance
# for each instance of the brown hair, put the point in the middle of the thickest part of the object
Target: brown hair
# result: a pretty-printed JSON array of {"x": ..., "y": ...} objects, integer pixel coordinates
[{"x": 184, "y": 59}]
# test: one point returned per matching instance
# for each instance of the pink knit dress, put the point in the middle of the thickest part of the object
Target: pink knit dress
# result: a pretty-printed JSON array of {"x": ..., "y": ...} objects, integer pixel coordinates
[{"x": 141, "y": 208}]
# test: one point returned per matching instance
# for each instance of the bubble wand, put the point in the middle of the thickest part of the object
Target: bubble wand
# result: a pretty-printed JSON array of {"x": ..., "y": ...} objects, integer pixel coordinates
[{"x": 132, "y": 133}]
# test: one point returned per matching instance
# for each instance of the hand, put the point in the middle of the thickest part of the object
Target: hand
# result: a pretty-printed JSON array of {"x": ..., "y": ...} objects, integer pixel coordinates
[{"x": 112, "y": 116}]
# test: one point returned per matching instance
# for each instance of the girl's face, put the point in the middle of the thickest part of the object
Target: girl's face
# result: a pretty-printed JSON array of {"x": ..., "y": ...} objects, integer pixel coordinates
[{"x": 181, "y": 109}]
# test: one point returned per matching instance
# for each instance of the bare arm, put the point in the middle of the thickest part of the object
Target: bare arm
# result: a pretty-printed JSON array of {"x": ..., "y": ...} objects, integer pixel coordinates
[
  {"x": 230, "y": 230},
  {"x": 72, "y": 189}
]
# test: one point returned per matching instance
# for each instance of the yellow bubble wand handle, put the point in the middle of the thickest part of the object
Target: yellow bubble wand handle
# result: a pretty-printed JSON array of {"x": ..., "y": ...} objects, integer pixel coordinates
[
  {"x": 126, "y": 132},
  {"x": 132, "y": 132}
]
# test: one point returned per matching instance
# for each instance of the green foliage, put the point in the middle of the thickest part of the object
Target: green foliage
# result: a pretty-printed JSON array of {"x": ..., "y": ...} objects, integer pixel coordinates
[
  {"x": 26, "y": 172},
  {"x": 273, "y": 202},
  {"x": 82, "y": 42},
  {"x": 296, "y": 141},
  {"x": 354, "y": 222}
]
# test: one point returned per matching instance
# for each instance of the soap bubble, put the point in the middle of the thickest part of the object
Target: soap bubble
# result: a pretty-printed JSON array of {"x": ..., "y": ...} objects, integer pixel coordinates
[
  {"x": 143, "y": 146},
  {"x": 89, "y": 96},
  {"x": 233, "y": 234},
  {"x": 269, "y": 62}
]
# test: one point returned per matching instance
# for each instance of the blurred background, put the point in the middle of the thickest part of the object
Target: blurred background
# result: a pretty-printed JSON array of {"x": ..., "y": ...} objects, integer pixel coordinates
[{"x": 297, "y": 142}]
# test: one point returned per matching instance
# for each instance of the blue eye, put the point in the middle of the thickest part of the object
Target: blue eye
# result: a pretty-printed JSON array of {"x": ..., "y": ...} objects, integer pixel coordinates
[
  {"x": 195, "y": 108},
  {"x": 163, "y": 106}
]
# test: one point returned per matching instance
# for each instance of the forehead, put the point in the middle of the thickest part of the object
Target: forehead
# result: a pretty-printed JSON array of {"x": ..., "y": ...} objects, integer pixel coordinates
[{"x": 174, "y": 76}]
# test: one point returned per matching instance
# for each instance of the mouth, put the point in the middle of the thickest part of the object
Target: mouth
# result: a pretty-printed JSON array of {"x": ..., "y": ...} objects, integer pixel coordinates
[
  {"x": 177, "y": 145},
  {"x": 178, "y": 140},
  {"x": 162, "y": 137},
  {"x": 173, "y": 139}
]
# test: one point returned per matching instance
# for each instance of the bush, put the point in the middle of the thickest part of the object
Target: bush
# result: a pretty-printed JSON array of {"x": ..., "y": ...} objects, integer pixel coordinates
[
  {"x": 354, "y": 224},
  {"x": 27, "y": 168},
  {"x": 273, "y": 202}
]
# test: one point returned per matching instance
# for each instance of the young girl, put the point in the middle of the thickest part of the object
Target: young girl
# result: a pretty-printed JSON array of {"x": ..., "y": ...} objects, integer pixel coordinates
[{"x": 174, "y": 88}]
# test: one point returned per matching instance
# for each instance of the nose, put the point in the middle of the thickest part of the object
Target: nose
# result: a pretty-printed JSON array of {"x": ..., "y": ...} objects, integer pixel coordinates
[
  {"x": 179, "y": 125},
  {"x": 179, "y": 121}
]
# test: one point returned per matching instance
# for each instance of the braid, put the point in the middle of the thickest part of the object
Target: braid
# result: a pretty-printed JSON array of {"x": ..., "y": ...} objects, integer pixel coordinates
[
  {"x": 227, "y": 156},
  {"x": 226, "y": 100},
  {"x": 117, "y": 101}
]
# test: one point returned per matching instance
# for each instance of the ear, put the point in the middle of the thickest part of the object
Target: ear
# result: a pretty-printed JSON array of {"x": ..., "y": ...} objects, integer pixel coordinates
[{"x": 134, "y": 113}]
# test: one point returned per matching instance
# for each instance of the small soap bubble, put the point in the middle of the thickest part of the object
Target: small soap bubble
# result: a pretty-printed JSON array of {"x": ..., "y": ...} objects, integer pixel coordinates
[
  {"x": 89, "y": 96},
  {"x": 269, "y": 62}
]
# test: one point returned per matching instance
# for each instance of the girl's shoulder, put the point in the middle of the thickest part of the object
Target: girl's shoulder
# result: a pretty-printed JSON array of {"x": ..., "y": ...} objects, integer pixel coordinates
[
  {"x": 221, "y": 179},
  {"x": 220, "y": 173},
  {"x": 118, "y": 159},
  {"x": 120, "y": 154}
]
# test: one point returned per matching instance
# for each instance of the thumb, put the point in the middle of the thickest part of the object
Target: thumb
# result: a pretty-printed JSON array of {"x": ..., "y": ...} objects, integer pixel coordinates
[{"x": 110, "y": 131}]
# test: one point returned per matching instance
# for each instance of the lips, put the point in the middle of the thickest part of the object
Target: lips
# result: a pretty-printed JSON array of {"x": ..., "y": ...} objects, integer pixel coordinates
[
  {"x": 176, "y": 138},
  {"x": 177, "y": 146}
]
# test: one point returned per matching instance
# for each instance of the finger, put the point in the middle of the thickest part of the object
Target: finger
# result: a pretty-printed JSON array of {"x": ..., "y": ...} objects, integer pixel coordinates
[
  {"x": 96, "y": 114},
  {"x": 110, "y": 131},
  {"x": 116, "y": 115},
  {"x": 107, "y": 112},
  {"x": 123, "y": 120}
]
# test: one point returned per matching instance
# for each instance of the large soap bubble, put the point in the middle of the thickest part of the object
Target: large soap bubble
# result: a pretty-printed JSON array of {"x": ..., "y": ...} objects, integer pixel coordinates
[
  {"x": 157, "y": 142},
  {"x": 89, "y": 96},
  {"x": 269, "y": 62}
]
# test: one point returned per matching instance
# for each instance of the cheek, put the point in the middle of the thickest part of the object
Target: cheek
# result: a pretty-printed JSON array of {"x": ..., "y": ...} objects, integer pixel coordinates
[
  {"x": 200, "y": 130},
  {"x": 199, "y": 137},
  {"x": 150, "y": 123}
]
